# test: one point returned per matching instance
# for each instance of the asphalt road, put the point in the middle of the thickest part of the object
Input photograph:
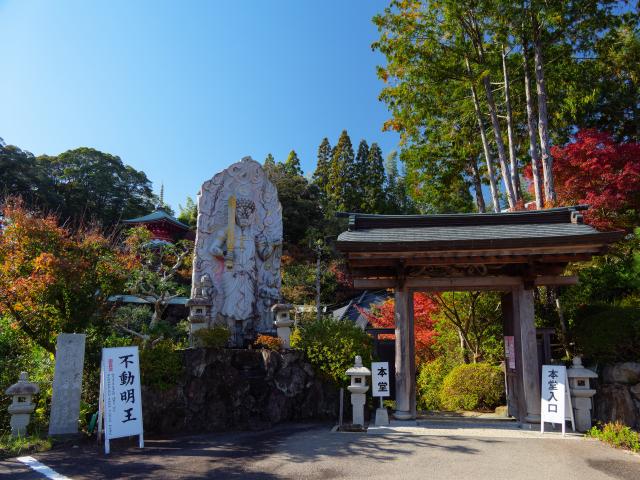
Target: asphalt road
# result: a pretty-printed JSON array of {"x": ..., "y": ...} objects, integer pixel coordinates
[{"x": 314, "y": 452}]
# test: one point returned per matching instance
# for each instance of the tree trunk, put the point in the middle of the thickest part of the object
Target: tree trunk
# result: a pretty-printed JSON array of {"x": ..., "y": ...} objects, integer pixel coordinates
[
  {"x": 513, "y": 161},
  {"x": 531, "y": 127},
  {"x": 485, "y": 145},
  {"x": 318, "y": 273},
  {"x": 543, "y": 116},
  {"x": 502, "y": 156},
  {"x": 477, "y": 185}
]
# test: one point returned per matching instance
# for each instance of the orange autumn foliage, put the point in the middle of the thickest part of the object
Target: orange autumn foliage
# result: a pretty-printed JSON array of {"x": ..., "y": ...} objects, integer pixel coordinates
[
  {"x": 53, "y": 279},
  {"x": 425, "y": 336}
]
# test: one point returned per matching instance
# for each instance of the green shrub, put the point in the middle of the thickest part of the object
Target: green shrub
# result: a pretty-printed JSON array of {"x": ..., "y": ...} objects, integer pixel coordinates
[
  {"x": 429, "y": 384},
  {"x": 476, "y": 386},
  {"x": 215, "y": 337},
  {"x": 160, "y": 366},
  {"x": 617, "y": 435},
  {"x": 331, "y": 346},
  {"x": 608, "y": 334}
]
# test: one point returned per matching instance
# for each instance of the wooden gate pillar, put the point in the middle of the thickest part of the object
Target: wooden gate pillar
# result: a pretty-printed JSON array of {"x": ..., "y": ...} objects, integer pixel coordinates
[
  {"x": 524, "y": 384},
  {"x": 405, "y": 355}
]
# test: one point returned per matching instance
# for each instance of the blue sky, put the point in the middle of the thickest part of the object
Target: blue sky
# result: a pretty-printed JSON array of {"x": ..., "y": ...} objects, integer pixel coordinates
[{"x": 182, "y": 89}]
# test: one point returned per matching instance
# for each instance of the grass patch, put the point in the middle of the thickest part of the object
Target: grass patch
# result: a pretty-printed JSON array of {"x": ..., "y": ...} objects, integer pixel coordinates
[
  {"x": 14, "y": 447},
  {"x": 617, "y": 435}
]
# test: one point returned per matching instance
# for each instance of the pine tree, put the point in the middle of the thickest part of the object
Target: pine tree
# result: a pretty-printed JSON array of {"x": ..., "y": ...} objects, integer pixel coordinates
[
  {"x": 342, "y": 160},
  {"x": 374, "y": 194},
  {"x": 292, "y": 165},
  {"x": 323, "y": 166}
]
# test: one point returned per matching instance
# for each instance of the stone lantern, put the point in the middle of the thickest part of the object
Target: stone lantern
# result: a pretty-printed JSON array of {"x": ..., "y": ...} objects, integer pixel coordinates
[
  {"x": 358, "y": 389},
  {"x": 22, "y": 407},
  {"x": 283, "y": 322},
  {"x": 200, "y": 306},
  {"x": 581, "y": 393}
]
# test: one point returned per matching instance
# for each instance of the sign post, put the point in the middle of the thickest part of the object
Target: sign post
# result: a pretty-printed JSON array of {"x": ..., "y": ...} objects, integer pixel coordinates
[
  {"x": 120, "y": 394},
  {"x": 555, "y": 397},
  {"x": 380, "y": 387}
]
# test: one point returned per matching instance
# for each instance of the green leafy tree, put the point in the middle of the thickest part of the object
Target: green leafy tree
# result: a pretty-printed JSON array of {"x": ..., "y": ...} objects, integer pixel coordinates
[
  {"x": 97, "y": 186},
  {"x": 189, "y": 213},
  {"x": 477, "y": 318},
  {"x": 552, "y": 61},
  {"x": 23, "y": 175}
]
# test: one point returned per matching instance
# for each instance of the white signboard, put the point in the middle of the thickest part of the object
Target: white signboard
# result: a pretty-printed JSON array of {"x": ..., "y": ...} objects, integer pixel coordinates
[
  {"x": 553, "y": 395},
  {"x": 380, "y": 385},
  {"x": 120, "y": 394},
  {"x": 510, "y": 351}
]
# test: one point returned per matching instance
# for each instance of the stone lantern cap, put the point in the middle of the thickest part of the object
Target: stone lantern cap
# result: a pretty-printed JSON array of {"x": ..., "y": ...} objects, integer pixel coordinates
[
  {"x": 198, "y": 301},
  {"x": 359, "y": 369},
  {"x": 578, "y": 371},
  {"x": 23, "y": 387},
  {"x": 281, "y": 307}
]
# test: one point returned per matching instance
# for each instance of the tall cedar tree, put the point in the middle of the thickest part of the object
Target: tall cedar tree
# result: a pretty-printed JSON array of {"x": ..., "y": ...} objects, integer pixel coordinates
[
  {"x": 292, "y": 165},
  {"x": 342, "y": 160},
  {"x": 397, "y": 201},
  {"x": 357, "y": 193},
  {"x": 374, "y": 181},
  {"x": 322, "y": 172},
  {"x": 300, "y": 202},
  {"x": 269, "y": 162}
]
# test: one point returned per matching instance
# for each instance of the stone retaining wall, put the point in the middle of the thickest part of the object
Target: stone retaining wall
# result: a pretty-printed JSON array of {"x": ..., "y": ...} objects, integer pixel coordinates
[
  {"x": 618, "y": 395},
  {"x": 239, "y": 389}
]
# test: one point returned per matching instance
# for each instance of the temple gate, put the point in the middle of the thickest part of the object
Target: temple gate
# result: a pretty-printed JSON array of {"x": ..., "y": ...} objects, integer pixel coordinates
[{"x": 506, "y": 252}]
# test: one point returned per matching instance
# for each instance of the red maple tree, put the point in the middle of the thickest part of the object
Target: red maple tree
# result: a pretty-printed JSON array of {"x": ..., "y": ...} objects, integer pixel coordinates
[
  {"x": 596, "y": 170},
  {"x": 423, "y": 309}
]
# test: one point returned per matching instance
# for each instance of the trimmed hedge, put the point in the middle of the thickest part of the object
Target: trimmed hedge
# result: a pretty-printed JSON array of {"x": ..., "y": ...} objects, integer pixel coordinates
[{"x": 476, "y": 386}]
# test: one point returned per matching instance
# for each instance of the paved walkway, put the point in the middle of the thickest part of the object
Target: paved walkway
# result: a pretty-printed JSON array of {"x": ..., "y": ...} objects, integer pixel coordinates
[
  {"x": 314, "y": 452},
  {"x": 472, "y": 427}
]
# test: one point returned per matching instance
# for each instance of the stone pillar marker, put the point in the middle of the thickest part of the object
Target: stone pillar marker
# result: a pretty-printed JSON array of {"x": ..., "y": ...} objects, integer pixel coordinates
[
  {"x": 581, "y": 393},
  {"x": 67, "y": 384},
  {"x": 358, "y": 389}
]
